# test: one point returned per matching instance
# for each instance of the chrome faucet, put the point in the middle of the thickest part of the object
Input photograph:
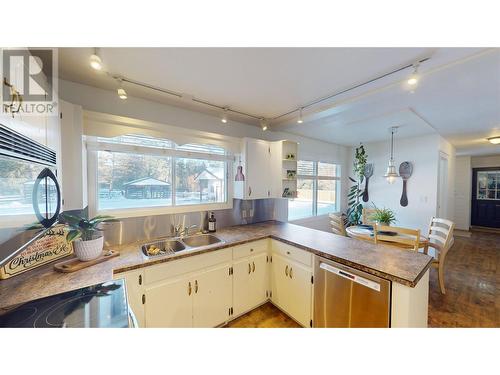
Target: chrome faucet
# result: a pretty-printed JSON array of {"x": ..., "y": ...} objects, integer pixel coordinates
[{"x": 180, "y": 230}]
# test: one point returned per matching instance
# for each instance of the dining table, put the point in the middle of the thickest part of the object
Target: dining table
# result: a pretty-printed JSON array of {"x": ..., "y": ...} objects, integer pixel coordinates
[{"x": 364, "y": 233}]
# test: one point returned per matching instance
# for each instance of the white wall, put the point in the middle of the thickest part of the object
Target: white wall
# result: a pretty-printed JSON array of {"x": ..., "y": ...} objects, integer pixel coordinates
[
  {"x": 449, "y": 151},
  {"x": 106, "y": 101},
  {"x": 463, "y": 192},
  {"x": 423, "y": 153}
]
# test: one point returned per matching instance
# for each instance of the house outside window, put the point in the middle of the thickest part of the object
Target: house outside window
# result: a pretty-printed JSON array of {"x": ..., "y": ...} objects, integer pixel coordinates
[
  {"x": 135, "y": 172},
  {"x": 318, "y": 187}
]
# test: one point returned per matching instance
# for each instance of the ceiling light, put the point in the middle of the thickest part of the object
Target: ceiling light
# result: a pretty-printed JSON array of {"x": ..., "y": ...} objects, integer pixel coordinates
[
  {"x": 299, "y": 120},
  {"x": 263, "y": 124},
  {"x": 391, "y": 175},
  {"x": 224, "y": 116},
  {"x": 95, "y": 61},
  {"x": 413, "y": 79},
  {"x": 494, "y": 140},
  {"x": 121, "y": 91}
]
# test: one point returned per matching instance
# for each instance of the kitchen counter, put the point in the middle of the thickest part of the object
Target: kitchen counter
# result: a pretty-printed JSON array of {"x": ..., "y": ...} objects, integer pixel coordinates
[{"x": 402, "y": 266}]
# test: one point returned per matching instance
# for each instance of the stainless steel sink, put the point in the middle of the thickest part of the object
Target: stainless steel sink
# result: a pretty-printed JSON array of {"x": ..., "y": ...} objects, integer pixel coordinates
[
  {"x": 165, "y": 247},
  {"x": 200, "y": 240},
  {"x": 174, "y": 245}
]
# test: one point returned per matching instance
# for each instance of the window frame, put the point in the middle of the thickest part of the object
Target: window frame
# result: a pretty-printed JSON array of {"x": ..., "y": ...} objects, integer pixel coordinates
[
  {"x": 93, "y": 146},
  {"x": 315, "y": 178}
]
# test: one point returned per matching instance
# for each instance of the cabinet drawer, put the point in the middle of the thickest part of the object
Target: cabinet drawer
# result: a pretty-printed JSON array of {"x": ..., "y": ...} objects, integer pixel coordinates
[
  {"x": 292, "y": 252},
  {"x": 251, "y": 248},
  {"x": 186, "y": 265}
]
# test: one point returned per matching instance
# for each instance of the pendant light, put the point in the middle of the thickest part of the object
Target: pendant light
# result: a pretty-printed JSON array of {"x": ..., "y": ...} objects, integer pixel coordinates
[
  {"x": 391, "y": 173},
  {"x": 95, "y": 61},
  {"x": 263, "y": 124}
]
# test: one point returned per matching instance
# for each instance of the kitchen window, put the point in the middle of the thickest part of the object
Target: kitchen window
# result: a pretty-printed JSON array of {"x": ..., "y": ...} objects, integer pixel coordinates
[
  {"x": 141, "y": 174},
  {"x": 318, "y": 184}
]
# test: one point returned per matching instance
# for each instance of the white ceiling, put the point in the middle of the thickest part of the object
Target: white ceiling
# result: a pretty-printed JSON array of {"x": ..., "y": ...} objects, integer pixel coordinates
[{"x": 458, "y": 95}]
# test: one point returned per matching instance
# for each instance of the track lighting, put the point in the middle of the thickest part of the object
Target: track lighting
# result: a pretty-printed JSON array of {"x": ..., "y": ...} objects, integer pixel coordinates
[
  {"x": 224, "y": 116},
  {"x": 413, "y": 79},
  {"x": 121, "y": 91},
  {"x": 494, "y": 140},
  {"x": 263, "y": 124},
  {"x": 95, "y": 61},
  {"x": 299, "y": 120}
]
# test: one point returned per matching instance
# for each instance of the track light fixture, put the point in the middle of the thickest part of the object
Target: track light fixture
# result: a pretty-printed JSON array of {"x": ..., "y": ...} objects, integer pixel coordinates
[
  {"x": 121, "y": 91},
  {"x": 299, "y": 120},
  {"x": 413, "y": 79},
  {"x": 263, "y": 124},
  {"x": 224, "y": 116},
  {"x": 95, "y": 61}
]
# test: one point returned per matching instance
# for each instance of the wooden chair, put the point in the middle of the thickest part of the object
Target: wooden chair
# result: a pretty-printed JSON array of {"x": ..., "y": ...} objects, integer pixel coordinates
[
  {"x": 407, "y": 238},
  {"x": 337, "y": 223},
  {"x": 366, "y": 216},
  {"x": 441, "y": 239}
]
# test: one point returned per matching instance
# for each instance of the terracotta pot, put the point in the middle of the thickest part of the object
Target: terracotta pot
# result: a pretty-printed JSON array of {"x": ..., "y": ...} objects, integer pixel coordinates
[{"x": 88, "y": 250}]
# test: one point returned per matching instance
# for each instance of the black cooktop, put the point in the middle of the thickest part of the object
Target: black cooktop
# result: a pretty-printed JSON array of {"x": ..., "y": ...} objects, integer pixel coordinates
[{"x": 99, "y": 306}]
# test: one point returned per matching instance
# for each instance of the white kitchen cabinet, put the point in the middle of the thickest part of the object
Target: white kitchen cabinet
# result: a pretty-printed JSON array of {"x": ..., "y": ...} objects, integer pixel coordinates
[
  {"x": 250, "y": 283},
  {"x": 212, "y": 297},
  {"x": 256, "y": 162},
  {"x": 292, "y": 288},
  {"x": 134, "y": 283},
  {"x": 169, "y": 303}
]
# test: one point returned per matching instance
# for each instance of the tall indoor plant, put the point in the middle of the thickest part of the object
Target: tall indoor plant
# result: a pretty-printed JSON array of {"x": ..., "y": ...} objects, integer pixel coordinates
[
  {"x": 85, "y": 234},
  {"x": 354, "y": 205}
]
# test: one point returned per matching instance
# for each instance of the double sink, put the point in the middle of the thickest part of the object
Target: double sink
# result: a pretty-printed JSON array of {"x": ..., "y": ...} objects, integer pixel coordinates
[{"x": 171, "y": 246}]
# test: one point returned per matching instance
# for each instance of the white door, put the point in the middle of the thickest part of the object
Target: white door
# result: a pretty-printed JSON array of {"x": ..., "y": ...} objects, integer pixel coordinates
[
  {"x": 134, "y": 285},
  {"x": 300, "y": 290},
  {"x": 170, "y": 304},
  {"x": 242, "y": 300},
  {"x": 258, "y": 280},
  {"x": 258, "y": 163},
  {"x": 212, "y": 296},
  {"x": 442, "y": 204},
  {"x": 280, "y": 282}
]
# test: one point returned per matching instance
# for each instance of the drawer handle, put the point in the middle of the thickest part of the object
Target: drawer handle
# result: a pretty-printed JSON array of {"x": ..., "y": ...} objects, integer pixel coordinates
[
  {"x": 253, "y": 266},
  {"x": 288, "y": 253},
  {"x": 196, "y": 286},
  {"x": 189, "y": 288},
  {"x": 290, "y": 273},
  {"x": 286, "y": 271},
  {"x": 249, "y": 268}
]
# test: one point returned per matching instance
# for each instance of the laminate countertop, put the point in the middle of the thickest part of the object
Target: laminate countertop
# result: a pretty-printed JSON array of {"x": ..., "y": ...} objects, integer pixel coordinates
[{"x": 398, "y": 265}]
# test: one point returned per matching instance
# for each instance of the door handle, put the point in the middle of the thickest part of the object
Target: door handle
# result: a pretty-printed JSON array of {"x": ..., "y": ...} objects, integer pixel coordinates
[
  {"x": 196, "y": 286},
  {"x": 189, "y": 288},
  {"x": 290, "y": 273},
  {"x": 253, "y": 266},
  {"x": 286, "y": 271},
  {"x": 249, "y": 268}
]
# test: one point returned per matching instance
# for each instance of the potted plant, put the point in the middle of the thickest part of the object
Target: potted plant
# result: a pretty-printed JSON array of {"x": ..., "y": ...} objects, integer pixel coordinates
[
  {"x": 355, "y": 207},
  {"x": 383, "y": 216},
  {"x": 85, "y": 234}
]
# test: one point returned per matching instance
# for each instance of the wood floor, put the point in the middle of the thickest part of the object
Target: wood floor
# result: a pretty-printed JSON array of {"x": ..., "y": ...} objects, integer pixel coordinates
[{"x": 472, "y": 296}]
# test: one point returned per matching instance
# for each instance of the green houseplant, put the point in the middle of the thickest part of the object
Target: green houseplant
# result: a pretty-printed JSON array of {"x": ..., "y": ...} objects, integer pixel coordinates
[
  {"x": 355, "y": 207},
  {"x": 85, "y": 234},
  {"x": 383, "y": 216}
]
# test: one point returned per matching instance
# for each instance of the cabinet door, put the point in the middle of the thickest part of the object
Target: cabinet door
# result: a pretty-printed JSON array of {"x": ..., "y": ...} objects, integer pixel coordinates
[
  {"x": 300, "y": 289},
  {"x": 280, "y": 282},
  {"x": 134, "y": 285},
  {"x": 242, "y": 300},
  {"x": 170, "y": 304},
  {"x": 212, "y": 296},
  {"x": 258, "y": 165},
  {"x": 258, "y": 280}
]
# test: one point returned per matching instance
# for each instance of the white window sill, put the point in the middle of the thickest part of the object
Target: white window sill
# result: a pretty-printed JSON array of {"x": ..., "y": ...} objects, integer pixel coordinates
[{"x": 153, "y": 211}]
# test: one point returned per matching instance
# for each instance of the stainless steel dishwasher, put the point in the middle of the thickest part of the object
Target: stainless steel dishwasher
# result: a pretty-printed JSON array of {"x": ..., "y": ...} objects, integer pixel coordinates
[{"x": 345, "y": 297}]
